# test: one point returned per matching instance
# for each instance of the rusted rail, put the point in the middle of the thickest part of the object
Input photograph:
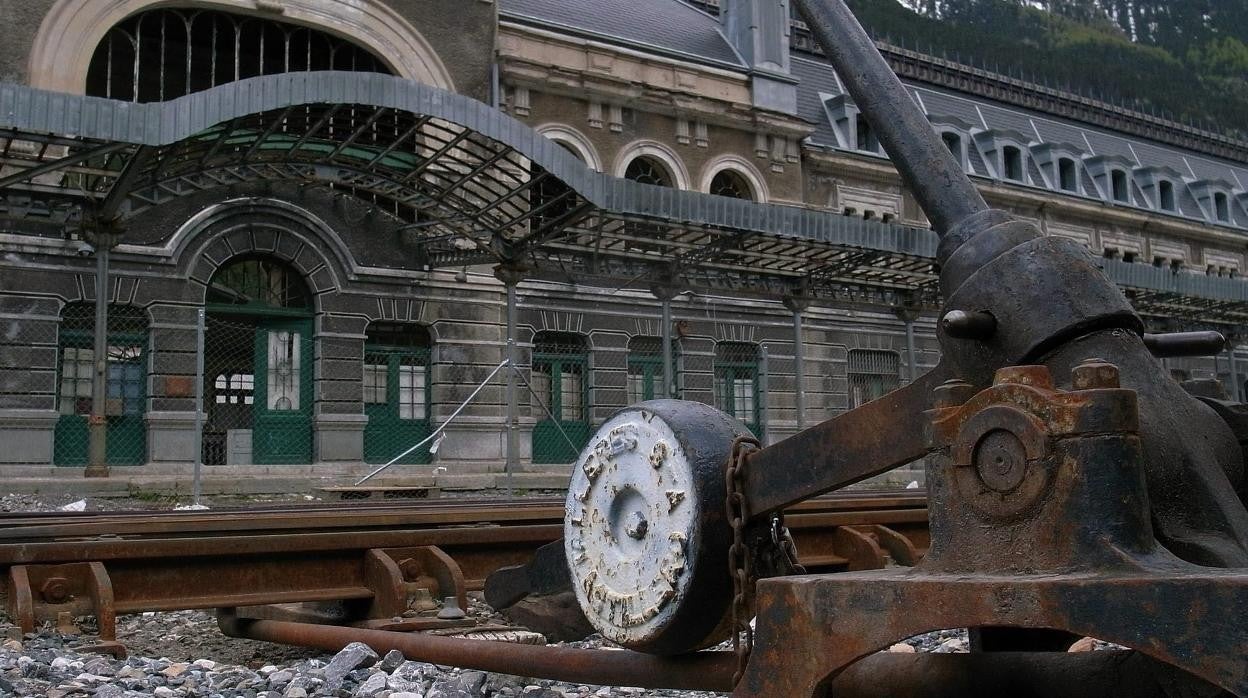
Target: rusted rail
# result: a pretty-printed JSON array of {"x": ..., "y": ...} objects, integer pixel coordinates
[{"x": 374, "y": 557}]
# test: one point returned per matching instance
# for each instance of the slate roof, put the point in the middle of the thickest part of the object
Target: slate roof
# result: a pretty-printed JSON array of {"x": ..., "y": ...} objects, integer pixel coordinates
[
  {"x": 675, "y": 28},
  {"x": 668, "y": 25}
]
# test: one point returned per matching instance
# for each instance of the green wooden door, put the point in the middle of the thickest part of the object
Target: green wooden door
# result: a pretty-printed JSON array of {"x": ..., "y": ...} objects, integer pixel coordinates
[
  {"x": 127, "y": 393},
  {"x": 736, "y": 391},
  {"x": 397, "y": 396},
  {"x": 560, "y": 382},
  {"x": 282, "y": 413}
]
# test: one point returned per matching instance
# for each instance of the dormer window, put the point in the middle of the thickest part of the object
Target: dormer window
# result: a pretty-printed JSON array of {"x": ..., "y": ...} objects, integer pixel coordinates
[
  {"x": 867, "y": 141},
  {"x": 1067, "y": 176},
  {"x": 1221, "y": 208},
  {"x": 1118, "y": 184},
  {"x": 1012, "y": 162},
  {"x": 954, "y": 143},
  {"x": 1165, "y": 195}
]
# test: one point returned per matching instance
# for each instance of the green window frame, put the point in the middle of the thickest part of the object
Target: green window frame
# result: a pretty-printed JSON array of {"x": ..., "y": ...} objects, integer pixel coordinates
[
  {"x": 737, "y": 387},
  {"x": 645, "y": 369},
  {"x": 126, "y": 396},
  {"x": 560, "y": 379}
]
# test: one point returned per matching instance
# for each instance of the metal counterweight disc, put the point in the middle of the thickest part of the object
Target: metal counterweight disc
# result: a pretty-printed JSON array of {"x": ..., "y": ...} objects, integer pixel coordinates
[{"x": 645, "y": 529}]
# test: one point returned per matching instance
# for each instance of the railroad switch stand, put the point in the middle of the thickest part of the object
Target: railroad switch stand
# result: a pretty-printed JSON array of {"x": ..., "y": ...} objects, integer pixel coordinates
[{"x": 1040, "y": 519}]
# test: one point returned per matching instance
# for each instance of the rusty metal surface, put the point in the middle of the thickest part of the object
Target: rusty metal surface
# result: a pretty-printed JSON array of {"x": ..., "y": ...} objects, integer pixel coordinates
[
  {"x": 703, "y": 671},
  {"x": 848, "y": 448},
  {"x": 1044, "y": 522}
]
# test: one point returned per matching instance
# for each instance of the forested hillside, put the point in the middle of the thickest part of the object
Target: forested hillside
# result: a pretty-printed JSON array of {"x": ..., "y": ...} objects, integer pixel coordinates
[{"x": 1183, "y": 59}]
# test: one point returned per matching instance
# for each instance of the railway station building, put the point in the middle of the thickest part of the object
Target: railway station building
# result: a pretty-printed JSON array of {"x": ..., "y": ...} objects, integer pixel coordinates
[{"x": 332, "y": 224}]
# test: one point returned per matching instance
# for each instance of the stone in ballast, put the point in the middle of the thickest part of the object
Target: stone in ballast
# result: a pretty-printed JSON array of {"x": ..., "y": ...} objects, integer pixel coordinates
[{"x": 351, "y": 657}]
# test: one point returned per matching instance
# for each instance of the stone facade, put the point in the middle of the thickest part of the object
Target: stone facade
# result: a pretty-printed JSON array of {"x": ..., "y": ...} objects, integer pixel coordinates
[{"x": 607, "y": 102}]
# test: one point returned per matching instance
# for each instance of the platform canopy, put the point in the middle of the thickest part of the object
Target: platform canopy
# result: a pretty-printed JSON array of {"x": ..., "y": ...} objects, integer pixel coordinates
[{"x": 471, "y": 186}]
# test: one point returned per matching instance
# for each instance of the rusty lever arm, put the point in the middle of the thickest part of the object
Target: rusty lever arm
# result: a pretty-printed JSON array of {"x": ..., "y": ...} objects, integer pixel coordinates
[{"x": 875, "y": 438}]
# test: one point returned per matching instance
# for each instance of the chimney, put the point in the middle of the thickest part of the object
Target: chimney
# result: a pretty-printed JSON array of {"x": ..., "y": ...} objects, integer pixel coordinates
[{"x": 759, "y": 30}]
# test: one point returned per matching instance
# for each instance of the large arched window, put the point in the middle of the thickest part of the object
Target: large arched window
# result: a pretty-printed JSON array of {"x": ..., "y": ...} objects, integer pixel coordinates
[
  {"x": 397, "y": 392},
  {"x": 259, "y": 282},
  {"x": 160, "y": 54},
  {"x": 126, "y": 392},
  {"x": 649, "y": 170}
]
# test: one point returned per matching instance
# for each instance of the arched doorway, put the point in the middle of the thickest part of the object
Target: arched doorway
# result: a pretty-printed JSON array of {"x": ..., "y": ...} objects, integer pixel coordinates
[{"x": 258, "y": 365}]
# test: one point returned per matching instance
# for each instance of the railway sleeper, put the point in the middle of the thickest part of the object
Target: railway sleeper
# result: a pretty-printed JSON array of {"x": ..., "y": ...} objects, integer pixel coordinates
[{"x": 372, "y": 588}]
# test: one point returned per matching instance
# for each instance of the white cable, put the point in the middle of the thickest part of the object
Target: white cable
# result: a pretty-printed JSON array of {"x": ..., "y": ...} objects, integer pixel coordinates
[{"x": 437, "y": 431}]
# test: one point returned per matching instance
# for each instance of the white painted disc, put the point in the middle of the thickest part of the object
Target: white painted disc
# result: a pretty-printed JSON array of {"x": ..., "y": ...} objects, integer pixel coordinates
[{"x": 631, "y": 527}]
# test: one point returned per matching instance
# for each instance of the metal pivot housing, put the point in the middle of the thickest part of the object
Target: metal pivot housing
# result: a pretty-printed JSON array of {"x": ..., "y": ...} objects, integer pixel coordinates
[
  {"x": 1012, "y": 466},
  {"x": 645, "y": 529}
]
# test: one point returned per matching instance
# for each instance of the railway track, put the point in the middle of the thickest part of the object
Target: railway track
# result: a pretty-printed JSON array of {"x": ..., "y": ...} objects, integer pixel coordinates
[{"x": 372, "y": 558}]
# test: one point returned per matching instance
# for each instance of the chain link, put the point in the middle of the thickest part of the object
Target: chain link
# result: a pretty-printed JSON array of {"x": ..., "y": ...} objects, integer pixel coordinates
[{"x": 739, "y": 554}]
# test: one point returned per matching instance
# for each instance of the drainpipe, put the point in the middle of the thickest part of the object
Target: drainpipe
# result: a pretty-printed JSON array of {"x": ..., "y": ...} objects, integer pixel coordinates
[
  {"x": 665, "y": 293},
  {"x": 97, "y": 450},
  {"x": 909, "y": 315},
  {"x": 796, "y": 305},
  {"x": 511, "y": 276}
]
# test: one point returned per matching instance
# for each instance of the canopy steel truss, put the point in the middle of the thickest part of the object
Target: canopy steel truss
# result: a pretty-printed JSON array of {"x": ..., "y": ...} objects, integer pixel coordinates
[{"x": 473, "y": 186}]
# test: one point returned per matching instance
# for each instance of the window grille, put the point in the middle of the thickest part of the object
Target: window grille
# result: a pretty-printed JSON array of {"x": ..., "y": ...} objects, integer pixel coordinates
[
  {"x": 1221, "y": 208},
  {"x": 731, "y": 184},
  {"x": 162, "y": 54},
  {"x": 259, "y": 283},
  {"x": 872, "y": 375},
  {"x": 867, "y": 140},
  {"x": 648, "y": 170},
  {"x": 1118, "y": 184}
]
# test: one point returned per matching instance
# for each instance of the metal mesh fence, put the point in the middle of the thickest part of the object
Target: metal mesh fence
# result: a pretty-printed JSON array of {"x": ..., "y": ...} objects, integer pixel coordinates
[
  {"x": 559, "y": 393},
  {"x": 275, "y": 392},
  {"x": 120, "y": 405},
  {"x": 740, "y": 382},
  {"x": 258, "y": 390}
]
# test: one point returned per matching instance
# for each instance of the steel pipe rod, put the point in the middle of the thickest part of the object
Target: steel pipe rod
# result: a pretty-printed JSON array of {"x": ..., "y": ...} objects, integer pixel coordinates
[
  {"x": 926, "y": 166},
  {"x": 703, "y": 671}
]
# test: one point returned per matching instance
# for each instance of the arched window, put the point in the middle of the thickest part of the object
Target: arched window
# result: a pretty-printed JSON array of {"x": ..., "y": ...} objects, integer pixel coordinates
[
  {"x": 649, "y": 170},
  {"x": 1165, "y": 195},
  {"x": 126, "y": 392},
  {"x": 258, "y": 282},
  {"x": 872, "y": 375},
  {"x": 560, "y": 381},
  {"x": 1067, "y": 175},
  {"x": 736, "y": 382},
  {"x": 731, "y": 184},
  {"x": 1012, "y": 161},
  {"x": 160, "y": 54},
  {"x": 397, "y": 392},
  {"x": 1119, "y": 188},
  {"x": 1221, "y": 208},
  {"x": 645, "y": 369}
]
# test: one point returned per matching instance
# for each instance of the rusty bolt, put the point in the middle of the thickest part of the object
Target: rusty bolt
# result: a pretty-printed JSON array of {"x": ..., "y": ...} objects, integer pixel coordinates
[
  {"x": 1035, "y": 376},
  {"x": 55, "y": 590},
  {"x": 952, "y": 393},
  {"x": 1093, "y": 374}
]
